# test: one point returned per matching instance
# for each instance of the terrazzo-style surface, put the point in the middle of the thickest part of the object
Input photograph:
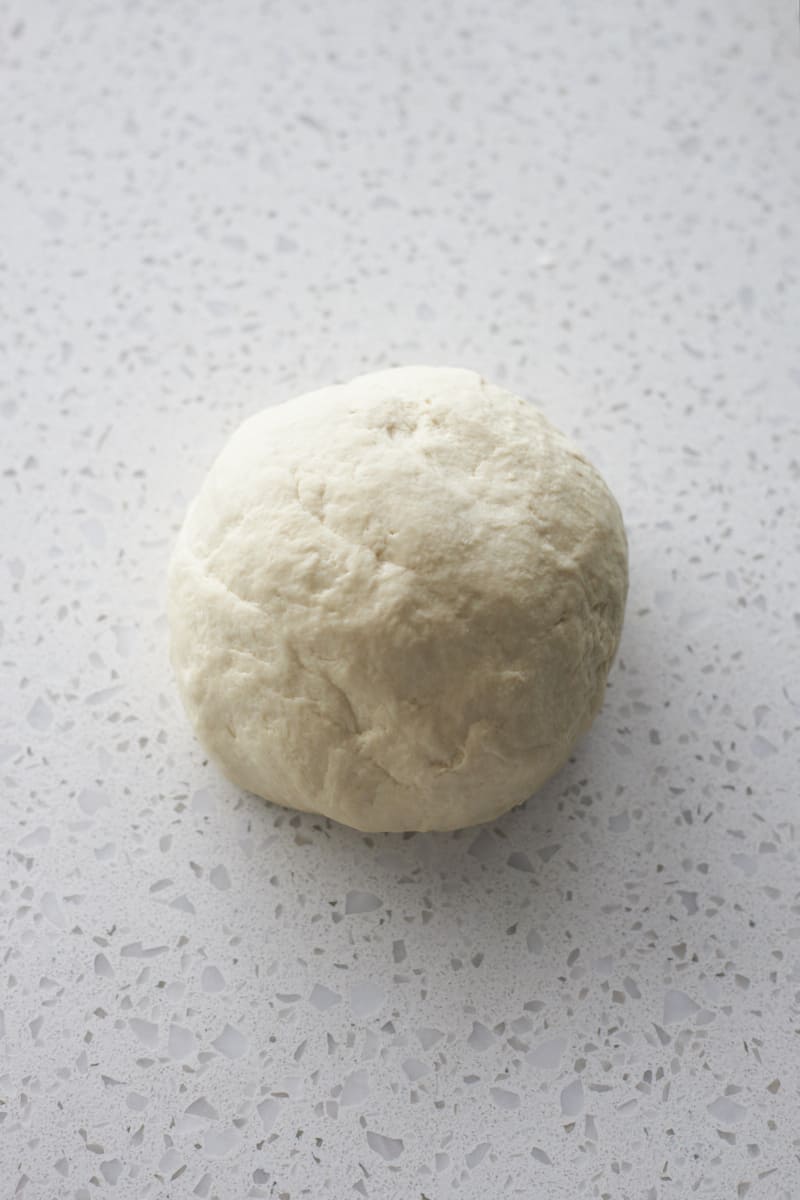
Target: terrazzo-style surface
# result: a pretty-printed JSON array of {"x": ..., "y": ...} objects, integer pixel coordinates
[{"x": 208, "y": 207}]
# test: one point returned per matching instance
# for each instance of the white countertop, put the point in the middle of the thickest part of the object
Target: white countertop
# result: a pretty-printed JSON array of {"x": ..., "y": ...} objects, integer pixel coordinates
[{"x": 210, "y": 207}]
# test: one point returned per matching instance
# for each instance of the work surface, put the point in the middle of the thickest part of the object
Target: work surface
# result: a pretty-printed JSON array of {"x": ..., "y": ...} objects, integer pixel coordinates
[{"x": 212, "y": 207}]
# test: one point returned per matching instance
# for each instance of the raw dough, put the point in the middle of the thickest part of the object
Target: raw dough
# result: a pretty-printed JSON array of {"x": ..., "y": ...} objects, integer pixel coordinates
[{"x": 395, "y": 602}]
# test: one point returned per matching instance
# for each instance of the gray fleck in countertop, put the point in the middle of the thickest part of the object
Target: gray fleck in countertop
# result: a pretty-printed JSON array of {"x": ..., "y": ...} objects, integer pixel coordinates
[{"x": 210, "y": 207}]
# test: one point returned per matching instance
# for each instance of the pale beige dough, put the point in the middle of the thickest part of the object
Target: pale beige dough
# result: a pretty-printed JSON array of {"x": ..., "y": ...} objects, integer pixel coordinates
[{"x": 395, "y": 602}]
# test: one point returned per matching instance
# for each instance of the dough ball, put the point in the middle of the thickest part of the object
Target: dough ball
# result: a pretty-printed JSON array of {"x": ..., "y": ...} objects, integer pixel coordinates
[{"x": 395, "y": 602}]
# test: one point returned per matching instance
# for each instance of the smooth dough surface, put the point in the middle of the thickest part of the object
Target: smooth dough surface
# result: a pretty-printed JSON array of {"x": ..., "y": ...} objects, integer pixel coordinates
[{"x": 395, "y": 602}]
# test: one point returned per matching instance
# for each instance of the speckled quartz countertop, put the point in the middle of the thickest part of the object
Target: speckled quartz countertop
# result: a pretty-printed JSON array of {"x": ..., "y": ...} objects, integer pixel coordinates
[{"x": 209, "y": 207}]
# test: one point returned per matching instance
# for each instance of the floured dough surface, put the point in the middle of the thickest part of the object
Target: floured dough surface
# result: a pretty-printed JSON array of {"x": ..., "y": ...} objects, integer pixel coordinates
[{"x": 396, "y": 601}]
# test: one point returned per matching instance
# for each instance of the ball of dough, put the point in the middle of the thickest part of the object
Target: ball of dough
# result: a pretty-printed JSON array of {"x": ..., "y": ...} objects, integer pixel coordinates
[{"x": 395, "y": 602}]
